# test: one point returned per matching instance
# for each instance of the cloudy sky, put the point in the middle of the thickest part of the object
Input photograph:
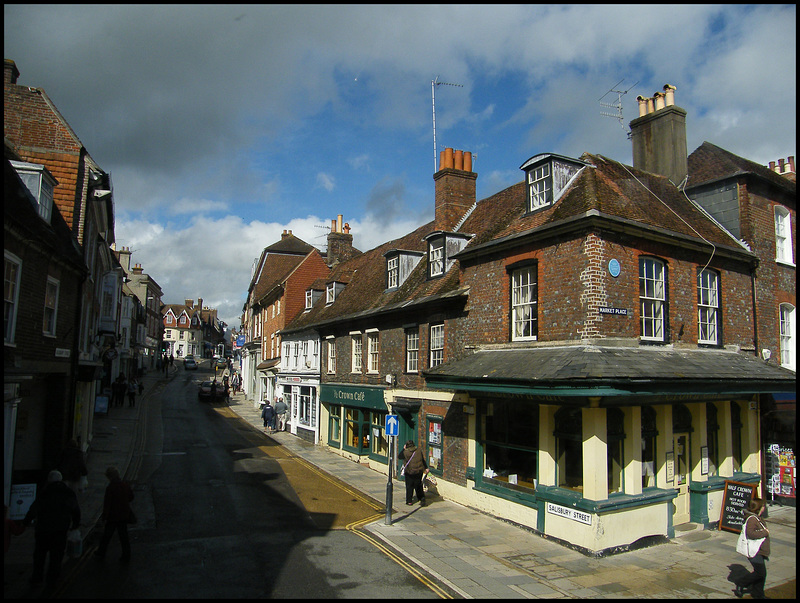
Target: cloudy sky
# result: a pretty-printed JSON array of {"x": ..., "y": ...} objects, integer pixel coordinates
[{"x": 222, "y": 126}]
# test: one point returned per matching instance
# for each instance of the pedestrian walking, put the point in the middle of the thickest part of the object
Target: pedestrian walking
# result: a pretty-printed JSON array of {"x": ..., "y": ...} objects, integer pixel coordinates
[
  {"x": 268, "y": 416},
  {"x": 235, "y": 383},
  {"x": 73, "y": 467},
  {"x": 171, "y": 359},
  {"x": 280, "y": 412},
  {"x": 166, "y": 364},
  {"x": 755, "y": 529},
  {"x": 117, "y": 514},
  {"x": 118, "y": 390},
  {"x": 54, "y": 512},
  {"x": 133, "y": 389},
  {"x": 414, "y": 469}
]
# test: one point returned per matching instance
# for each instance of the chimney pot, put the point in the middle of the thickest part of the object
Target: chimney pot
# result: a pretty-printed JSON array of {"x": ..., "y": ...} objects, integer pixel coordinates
[
  {"x": 650, "y": 107},
  {"x": 659, "y": 97},
  {"x": 642, "y": 105},
  {"x": 780, "y": 166},
  {"x": 441, "y": 160},
  {"x": 772, "y": 165},
  {"x": 791, "y": 164},
  {"x": 458, "y": 160},
  {"x": 448, "y": 157},
  {"x": 467, "y": 161},
  {"x": 669, "y": 91}
]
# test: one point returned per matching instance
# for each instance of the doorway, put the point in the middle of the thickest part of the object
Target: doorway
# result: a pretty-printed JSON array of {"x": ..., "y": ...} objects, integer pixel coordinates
[{"x": 680, "y": 447}]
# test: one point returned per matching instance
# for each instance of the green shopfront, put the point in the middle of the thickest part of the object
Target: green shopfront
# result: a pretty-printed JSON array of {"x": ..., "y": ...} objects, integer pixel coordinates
[{"x": 354, "y": 422}]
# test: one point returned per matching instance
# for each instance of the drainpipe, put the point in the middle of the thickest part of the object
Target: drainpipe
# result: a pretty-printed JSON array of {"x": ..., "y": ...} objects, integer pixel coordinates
[{"x": 753, "y": 281}]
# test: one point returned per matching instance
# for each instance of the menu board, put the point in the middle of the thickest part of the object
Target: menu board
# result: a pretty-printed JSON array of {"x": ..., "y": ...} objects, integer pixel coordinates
[{"x": 734, "y": 501}]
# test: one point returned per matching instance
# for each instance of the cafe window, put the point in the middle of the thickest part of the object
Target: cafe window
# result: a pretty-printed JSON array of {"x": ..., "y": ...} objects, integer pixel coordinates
[
  {"x": 379, "y": 443},
  {"x": 615, "y": 434},
  {"x": 569, "y": 448},
  {"x": 736, "y": 436},
  {"x": 510, "y": 442},
  {"x": 712, "y": 438},
  {"x": 356, "y": 431},
  {"x": 335, "y": 424},
  {"x": 649, "y": 434},
  {"x": 435, "y": 444}
]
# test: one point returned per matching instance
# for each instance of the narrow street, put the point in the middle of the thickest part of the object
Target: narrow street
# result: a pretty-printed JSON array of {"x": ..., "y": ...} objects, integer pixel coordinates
[{"x": 224, "y": 511}]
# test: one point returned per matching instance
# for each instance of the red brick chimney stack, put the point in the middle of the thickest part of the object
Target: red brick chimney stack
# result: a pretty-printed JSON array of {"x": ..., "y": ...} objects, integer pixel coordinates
[{"x": 455, "y": 188}]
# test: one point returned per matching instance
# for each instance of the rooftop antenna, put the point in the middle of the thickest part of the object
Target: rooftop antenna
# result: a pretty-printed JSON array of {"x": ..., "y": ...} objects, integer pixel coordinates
[
  {"x": 435, "y": 83},
  {"x": 616, "y": 106}
]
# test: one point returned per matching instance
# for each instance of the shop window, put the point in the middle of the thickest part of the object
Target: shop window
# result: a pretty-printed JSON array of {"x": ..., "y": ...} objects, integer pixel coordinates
[
  {"x": 712, "y": 436},
  {"x": 615, "y": 433},
  {"x": 653, "y": 299},
  {"x": 335, "y": 424},
  {"x": 649, "y": 434},
  {"x": 435, "y": 444},
  {"x": 510, "y": 442},
  {"x": 379, "y": 444},
  {"x": 306, "y": 407},
  {"x": 356, "y": 431},
  {"x": 569, "y": 448},
  {"x": 736, "y": 435}
]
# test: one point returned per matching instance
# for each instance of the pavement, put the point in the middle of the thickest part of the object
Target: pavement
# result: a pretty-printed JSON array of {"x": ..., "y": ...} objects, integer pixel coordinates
[{"x": 471, "y": 553}]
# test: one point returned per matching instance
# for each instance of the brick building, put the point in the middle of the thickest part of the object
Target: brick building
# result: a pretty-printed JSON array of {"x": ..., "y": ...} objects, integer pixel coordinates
[
  {"x": 83, "y": 194},
  {"x": 576, "y": 352}
]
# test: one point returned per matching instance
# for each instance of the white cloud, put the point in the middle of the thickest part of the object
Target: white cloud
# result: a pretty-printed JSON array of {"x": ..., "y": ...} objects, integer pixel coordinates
[{"x": 326, "y": 181}]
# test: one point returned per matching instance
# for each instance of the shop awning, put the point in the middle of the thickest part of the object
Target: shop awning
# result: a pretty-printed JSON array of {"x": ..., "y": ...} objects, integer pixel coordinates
[
  {"x": 269, "y": 364},
  {"x": 618, "y": 375}
]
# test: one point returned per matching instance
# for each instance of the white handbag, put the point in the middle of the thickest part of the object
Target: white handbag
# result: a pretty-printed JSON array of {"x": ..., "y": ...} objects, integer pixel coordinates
[{"x": 745, "y": 546}]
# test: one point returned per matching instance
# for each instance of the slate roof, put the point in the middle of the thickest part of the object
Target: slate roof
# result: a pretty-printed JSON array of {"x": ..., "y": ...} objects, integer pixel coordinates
[
  {"x": 709, "y": 163},
  {"x": 605, "y": 370}
]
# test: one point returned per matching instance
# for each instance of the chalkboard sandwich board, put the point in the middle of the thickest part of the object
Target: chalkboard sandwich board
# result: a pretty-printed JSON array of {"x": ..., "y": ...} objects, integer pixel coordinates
[{"x": 735, "y": 499}]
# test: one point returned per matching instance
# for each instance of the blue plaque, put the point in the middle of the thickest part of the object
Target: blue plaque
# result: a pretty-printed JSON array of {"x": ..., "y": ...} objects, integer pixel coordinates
[{"x": 613, "y": 268}]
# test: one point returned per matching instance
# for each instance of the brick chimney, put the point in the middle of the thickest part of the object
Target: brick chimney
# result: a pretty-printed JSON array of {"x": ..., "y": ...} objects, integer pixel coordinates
[
  {"x": 340, "y": 243},
  {"x": 784, "y": 167},
  {"x": 10, "y": 72},
  {"x": 189, "y": 303},
  {"x": 137, "y": 269},
  {"x": 659, "y": 136},
  {"x": 455, "y": 188}
]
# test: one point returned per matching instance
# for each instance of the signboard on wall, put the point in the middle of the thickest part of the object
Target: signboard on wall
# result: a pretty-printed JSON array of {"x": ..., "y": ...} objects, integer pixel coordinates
[
  {"x": 735, "y": 498},
  {"x": 573, "y": 514}
]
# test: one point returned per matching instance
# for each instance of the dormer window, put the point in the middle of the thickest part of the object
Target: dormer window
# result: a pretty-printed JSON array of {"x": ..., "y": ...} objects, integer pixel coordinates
[
  {"x": 332, "y": 290},
  {"x": 400, "y": 264},
  {"x": 442, "y": 247},
  {"x": 40, "y": 183},
  {"x": 309, "y": 299},
  {"x": 547, "y": 177}
]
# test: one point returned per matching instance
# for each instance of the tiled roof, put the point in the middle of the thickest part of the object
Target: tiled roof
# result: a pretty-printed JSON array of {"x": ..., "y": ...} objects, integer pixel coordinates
[
  {"x": 709, "y": 163},
  {"x": 276, "y": 268},
  {"x": 607, "y": 188},
  {"x": 366, "y": 293}
]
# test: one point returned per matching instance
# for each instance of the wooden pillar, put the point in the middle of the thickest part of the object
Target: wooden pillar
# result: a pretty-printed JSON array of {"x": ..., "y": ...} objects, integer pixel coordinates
[
  {"x": 595, "y": 454},
  {"x": 632, "y": 450},
  {"x": 547, "y": 445}
]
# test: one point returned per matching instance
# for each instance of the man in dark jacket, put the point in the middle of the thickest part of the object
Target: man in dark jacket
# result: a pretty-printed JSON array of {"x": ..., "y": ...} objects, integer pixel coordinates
[
  {"x": 54, "y": 512},
  {"x": 415, "y": 469},
  {"x": 116, "y": 513}
]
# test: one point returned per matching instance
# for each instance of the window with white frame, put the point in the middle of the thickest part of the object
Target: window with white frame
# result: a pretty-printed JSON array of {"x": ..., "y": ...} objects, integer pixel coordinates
[
  {"x": 392, "y": 272},
  {"x": 788, "y": 341},
  {"x": 708, "y": 307},
  {"x": 783, "y": 236},
  {"x": 412, "y": 350},
  {"x": 436, "y": 257},
  {"x": 357, "y": 352},
  {"x": 38, "y": 180},
  {"x": 331, "y": 354},
  {"x": 437, "y": 345},
  {"x": 309, "y": 299},
  {"x": 13, "y": 272},
  {"x": 540, "y": 187},
  {"x": 330, "y": 293},
  {"x": 373, "y": 350},
  {"x": 524, "y": 315},
  {"x": 653, "y": 298},
  {"x": 50, "y": 307}
]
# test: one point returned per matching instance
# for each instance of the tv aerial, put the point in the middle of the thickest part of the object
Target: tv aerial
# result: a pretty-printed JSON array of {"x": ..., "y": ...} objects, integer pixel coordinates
[
  {"x": 435, "y": 83},
  {"x": 616, "y": 107}
]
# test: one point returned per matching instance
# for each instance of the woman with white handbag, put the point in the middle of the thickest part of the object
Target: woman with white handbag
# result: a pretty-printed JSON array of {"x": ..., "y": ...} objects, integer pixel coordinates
[{"x": 754, "y": 544}]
